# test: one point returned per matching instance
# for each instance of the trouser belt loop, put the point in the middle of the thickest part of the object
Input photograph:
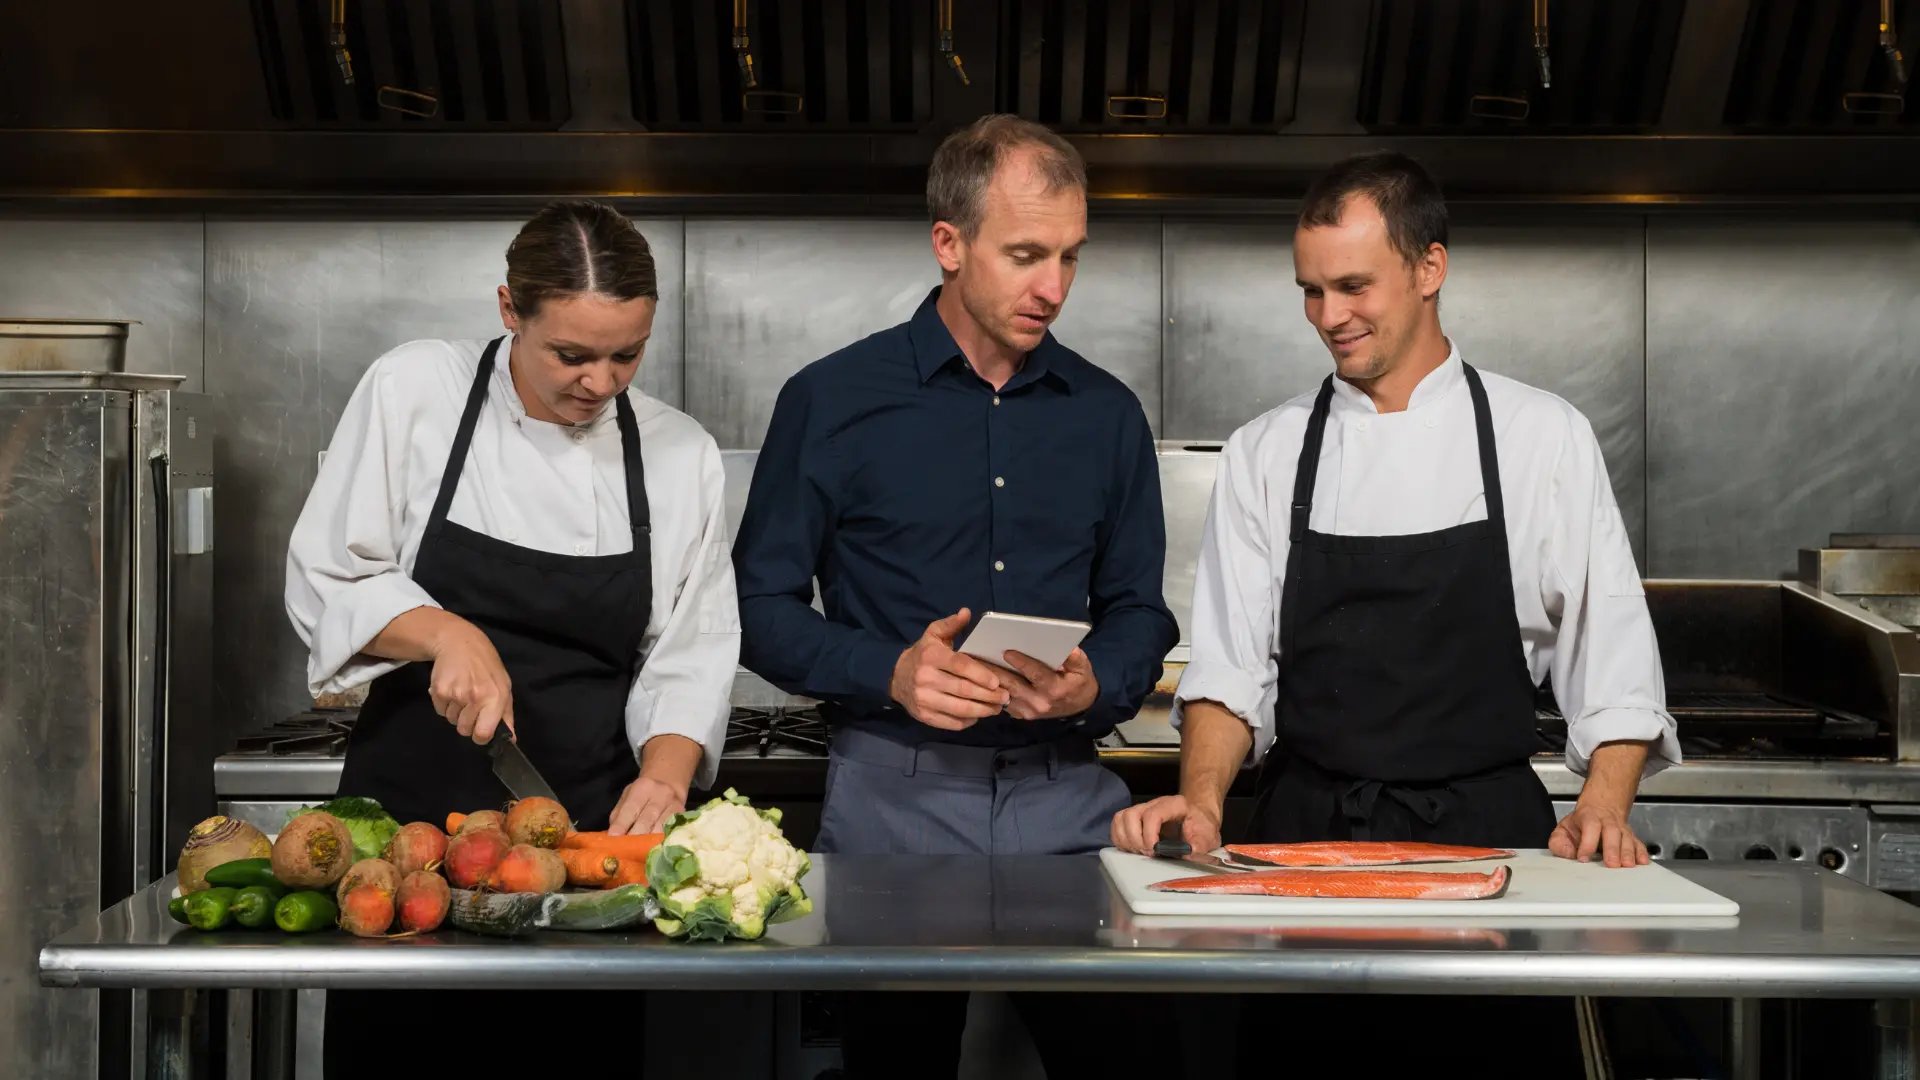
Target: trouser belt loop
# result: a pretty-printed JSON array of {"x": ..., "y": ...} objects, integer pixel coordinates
[
  {"x": 912, "y": 760},
  {"x": 1053, "y": 761}
]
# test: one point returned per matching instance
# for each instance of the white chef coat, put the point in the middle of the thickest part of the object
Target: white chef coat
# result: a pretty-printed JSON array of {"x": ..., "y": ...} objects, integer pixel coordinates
[
  {"x": 552, "y": 487},
  {"x": 1577, "y": 594}
]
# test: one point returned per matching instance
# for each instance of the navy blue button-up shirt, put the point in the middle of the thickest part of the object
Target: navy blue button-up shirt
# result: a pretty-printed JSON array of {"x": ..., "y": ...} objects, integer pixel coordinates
[{"x": 910, "y": 489}]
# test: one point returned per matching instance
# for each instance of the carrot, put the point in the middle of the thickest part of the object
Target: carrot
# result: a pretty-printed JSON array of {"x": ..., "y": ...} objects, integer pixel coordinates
[
  {"x": 453, "y": 823},
  {"x": 632, "y": 848},
  {"x": 631, "y": 872},
  {"x": 589, "y": 867}
]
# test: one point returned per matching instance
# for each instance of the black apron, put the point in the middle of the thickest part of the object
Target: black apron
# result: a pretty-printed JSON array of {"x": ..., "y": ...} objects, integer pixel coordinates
[
  {"x": 1405, "y": 712},
  {"x": 568, "y": 630}
]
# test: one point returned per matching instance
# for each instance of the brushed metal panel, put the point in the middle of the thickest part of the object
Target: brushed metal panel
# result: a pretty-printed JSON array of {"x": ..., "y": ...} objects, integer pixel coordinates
[
  {"x": 150, "y": 269},
  {"x": 1556, "y": 305},
  {"x": 55, "y": 634},
  {"x": 296, "y": 310},
  {"x": 1781, "y": 388},
  {"x": 766, "y": 298},
  {"x": 1186, "y": 489}
]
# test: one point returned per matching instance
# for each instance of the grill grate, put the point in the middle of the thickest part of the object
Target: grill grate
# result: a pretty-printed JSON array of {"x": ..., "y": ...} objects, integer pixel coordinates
[{"x": 497, "y": 64}]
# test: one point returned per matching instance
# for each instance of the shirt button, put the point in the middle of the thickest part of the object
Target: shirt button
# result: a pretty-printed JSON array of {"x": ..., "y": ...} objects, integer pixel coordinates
[
  {"x": 999, "y": 481},
  {"x": 1432, "y": 423},
  {"x": 1363, "y": 425},
  {"x": 996, "y": 399},
  {"x": 511, "y": 535},
  {"x": 579, "y": 549},
  {"x": 998, "y": 565},
  {"x": 580, "y": 436}
]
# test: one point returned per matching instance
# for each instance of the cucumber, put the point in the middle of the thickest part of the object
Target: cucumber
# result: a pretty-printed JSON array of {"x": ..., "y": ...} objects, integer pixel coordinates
[
  {"x": 609, "y": 909},
  {"x": 496, "y": 914},
  {"x": 240, "y": 873},
  {"x": 305, "y": 912}
]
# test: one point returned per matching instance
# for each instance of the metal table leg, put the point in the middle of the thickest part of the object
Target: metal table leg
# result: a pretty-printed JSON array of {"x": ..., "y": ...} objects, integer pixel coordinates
[
  {"x": 1899, "y": 1052},
  {"x": 1743, "y": 1059},
  {"x": 170, "y": 1035},
  {"x": 275, "y": 1036}
]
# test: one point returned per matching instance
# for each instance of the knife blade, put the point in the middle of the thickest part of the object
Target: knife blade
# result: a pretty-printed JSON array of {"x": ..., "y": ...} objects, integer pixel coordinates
[
  {"x": 510, "y": 764},
  {"x": 1180, "y": 851}
]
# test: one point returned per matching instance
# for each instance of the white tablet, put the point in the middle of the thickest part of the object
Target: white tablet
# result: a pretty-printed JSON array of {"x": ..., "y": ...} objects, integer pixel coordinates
[{"x": 1049, "y": 641}]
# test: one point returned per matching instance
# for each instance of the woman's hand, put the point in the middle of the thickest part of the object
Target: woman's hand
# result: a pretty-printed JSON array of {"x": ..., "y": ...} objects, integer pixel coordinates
[
  {"x": 667, "y": 765},
  {"x": 469, "y": 686}
]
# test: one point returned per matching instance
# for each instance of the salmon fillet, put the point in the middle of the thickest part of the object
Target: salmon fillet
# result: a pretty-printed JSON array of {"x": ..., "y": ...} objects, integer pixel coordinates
[
  {"x": 1347, "y": 884},
  {"x": 1361, "y": 853}
]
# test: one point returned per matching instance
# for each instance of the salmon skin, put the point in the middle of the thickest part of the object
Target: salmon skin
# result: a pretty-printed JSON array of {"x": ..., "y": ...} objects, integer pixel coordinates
[
  {"x": 1347, "y": 884},
  {"x": 1361, "y": 853}
]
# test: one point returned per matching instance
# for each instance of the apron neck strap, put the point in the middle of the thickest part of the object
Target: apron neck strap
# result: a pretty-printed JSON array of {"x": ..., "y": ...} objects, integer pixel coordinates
[
  {"x": 1489, "y": 456},
  {"x": 639, "y": 514},
  {"x": 1308, "y": 470},
  {"x": 463, "y": 438}
]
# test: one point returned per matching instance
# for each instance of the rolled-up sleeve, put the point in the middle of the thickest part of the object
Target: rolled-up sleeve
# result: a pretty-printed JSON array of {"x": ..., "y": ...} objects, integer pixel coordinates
[
  {"x": 1234, "y": 658},
  {"x": 686, "y": 674},
  {"x": 344, "y": 579},
  {"x": 1606, "y": 661}
]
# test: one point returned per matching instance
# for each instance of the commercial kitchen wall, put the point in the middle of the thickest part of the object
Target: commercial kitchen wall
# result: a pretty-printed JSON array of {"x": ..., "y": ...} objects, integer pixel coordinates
[{"x": 1753, "y": 379}]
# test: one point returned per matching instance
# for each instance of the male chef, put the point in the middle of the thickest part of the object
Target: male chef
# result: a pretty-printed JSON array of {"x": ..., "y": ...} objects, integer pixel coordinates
[
  {"x": 1392, "y": 563},
  {"x": 964, "y": 462}
]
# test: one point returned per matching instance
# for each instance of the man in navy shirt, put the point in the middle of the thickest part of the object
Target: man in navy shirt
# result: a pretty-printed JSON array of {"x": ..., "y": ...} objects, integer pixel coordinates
[{"x": 960, "y": 463}]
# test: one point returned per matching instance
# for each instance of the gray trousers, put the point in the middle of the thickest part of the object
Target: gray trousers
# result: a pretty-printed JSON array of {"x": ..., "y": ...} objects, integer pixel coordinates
[{"x": 887, "y": 798}]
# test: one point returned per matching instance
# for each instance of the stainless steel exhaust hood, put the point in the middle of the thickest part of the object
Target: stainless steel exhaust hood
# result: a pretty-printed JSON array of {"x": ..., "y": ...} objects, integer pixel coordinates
[{"x": 836, "y": 105}]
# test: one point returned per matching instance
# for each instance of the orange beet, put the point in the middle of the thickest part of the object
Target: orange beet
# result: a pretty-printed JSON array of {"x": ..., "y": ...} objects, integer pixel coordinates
[
  {"x": 366, "y": 911},
  {"x": 483, "y": 819},
  {"x": 417, "y": 846},
  {"x": 528, "y": 869},
  {"x": 370, "y": 872},
  {"x": 472, "y": 856},
  {"x": 540, "y": 822},
  {"x": 422, "y": 901}
]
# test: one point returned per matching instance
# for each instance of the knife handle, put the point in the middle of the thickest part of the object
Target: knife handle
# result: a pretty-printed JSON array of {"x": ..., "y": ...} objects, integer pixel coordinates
[{"x": 1172, "y": 849}]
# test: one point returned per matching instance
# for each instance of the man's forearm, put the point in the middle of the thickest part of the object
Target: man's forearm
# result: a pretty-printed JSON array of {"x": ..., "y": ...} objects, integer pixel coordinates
[
  {"x": 1613, "y": 774},
  {"x": 1213, "y": 743}
]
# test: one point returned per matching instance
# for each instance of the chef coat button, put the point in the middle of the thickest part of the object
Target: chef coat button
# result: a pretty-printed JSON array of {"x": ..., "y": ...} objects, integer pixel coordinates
[
  {"x": 999, "y": 481},
  {"x": 998, "y": 565},
  {"x": 579, "y": 549}
]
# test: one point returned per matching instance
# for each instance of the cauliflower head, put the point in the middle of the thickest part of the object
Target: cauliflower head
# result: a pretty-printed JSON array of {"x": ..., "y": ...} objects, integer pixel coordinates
[{"x": 725, "y": 870}]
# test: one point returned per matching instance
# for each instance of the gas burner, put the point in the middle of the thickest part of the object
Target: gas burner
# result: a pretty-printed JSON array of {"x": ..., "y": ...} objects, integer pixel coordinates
[
  {"x": 775, "y": 732},
  {"x": 319, "y": 732}
]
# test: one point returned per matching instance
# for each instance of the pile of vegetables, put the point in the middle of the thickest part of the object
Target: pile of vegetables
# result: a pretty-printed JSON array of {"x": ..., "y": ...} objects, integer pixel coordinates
[{"x": 721, "y": 870}]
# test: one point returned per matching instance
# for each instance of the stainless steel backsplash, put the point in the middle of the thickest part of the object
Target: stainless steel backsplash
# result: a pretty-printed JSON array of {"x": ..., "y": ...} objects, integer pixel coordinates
[{"x": 1753, "y": 380}]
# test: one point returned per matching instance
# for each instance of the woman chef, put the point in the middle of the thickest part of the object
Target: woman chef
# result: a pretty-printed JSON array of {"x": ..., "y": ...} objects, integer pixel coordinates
[{"x": 507, "y": 540}]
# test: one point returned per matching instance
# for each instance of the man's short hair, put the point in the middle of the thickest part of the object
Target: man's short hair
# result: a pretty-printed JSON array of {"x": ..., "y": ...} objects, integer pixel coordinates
[
  {"x": 1403, "y": 191},
  {"x": 964, "y": 165}
]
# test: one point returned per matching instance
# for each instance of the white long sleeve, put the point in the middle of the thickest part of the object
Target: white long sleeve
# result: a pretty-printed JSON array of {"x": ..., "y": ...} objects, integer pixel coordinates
[
  {"x": 1577, "y": 594},
  {"x": 550, "y": 487}
]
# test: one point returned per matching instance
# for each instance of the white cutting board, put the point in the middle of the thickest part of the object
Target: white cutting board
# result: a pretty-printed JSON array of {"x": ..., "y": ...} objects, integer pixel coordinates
[{"x": 1542, "y": 885}]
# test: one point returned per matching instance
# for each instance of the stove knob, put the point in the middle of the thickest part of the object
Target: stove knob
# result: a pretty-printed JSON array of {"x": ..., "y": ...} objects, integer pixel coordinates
[
  {"x": 1689, "y": 851},
  {"x": 1832, "y": 859}
]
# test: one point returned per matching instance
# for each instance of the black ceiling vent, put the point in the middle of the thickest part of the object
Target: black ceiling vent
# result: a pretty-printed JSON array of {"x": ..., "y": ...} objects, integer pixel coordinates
[
  {"x": 1464, "y": 66},
  {"x": 1152, "y": 65},
  {"x": 1819, "y": 65},
  {"x": 817, "y": 65},
  {"x": 494, "y": 64}
]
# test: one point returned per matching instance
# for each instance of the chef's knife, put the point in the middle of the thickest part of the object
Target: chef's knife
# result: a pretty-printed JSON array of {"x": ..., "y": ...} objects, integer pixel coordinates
[
  {"x": 510, "y": 764},
  {"x": 1181, "y": 851}
]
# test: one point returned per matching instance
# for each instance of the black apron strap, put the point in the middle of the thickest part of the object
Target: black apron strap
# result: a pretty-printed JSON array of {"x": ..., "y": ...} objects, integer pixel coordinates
[
  {"x": 1489, "y": 455},
  {"x": 639, "y": 513},
  {"x": 1305, "y": 475},
  {"x": 463, "y": 438}
]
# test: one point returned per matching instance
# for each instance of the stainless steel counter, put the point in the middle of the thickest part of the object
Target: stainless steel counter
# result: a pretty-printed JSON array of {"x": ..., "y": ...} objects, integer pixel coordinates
[{"x": 1051, "y": 923}]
